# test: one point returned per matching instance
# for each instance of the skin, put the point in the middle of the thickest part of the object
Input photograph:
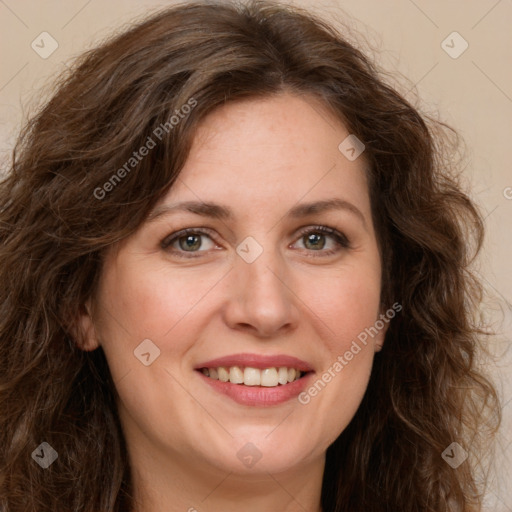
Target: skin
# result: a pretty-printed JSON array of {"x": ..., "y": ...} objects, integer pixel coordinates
[{"x": 260, "y": 157}]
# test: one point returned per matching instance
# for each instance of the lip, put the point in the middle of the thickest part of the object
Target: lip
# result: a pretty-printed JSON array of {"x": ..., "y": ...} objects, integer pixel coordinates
[
  {"x": 257, "y": 361},
  {"x": 258, "y": 396}
]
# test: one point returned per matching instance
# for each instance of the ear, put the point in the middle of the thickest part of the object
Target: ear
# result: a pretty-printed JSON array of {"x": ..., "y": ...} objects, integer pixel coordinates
[
  {"x": 84, "y": 330},
  {"x": 382, "y": 324}
]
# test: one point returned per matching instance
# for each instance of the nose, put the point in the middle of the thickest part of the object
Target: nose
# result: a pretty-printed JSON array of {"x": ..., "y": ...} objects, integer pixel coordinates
[{"x": 261, "y": 297}]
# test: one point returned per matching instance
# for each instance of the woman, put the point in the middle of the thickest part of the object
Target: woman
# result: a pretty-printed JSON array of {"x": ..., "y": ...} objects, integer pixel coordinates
[{"x": 234, "y": 272}]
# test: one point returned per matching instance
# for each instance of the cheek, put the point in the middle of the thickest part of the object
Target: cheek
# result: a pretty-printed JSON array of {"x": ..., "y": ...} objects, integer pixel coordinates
[
  {"x": 149, "y": 301},
  {"x": 140, "y": 302},
  {"x": 346, "y": 303}
]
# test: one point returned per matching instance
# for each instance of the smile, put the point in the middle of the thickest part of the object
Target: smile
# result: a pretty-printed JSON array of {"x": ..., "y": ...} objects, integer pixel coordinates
[
  {"x": 256, "y": 379},
  {"x": 248, "y": 376}
]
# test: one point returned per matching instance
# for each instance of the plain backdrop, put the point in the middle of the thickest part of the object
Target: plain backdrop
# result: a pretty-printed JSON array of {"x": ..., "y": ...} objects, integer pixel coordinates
[{"x": 455, "y": 55}]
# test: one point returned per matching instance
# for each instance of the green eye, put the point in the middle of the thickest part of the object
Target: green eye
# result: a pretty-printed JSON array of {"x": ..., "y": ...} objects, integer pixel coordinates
[
  {"x": 191, "y": 242},
  {"x": 187, "y": 241},
  {"x": 316, "y": 239}
]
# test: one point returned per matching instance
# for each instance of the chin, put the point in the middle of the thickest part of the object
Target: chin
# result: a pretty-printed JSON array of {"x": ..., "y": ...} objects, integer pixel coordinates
[{"x": 262, "y": 453}]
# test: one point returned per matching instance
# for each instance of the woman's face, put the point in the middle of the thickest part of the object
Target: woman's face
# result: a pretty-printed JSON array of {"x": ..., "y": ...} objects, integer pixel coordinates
[{"x": 255, "y": 283}]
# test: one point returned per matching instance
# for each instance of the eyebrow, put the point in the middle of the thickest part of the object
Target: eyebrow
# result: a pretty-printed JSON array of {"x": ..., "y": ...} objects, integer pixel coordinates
[{"x": 217, "y": 211}]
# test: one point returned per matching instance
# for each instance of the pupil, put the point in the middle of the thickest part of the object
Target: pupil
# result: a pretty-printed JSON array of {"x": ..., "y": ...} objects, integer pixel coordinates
[
  {"x": 314, "y": 238},
  {"x": 189, "y": 241}
]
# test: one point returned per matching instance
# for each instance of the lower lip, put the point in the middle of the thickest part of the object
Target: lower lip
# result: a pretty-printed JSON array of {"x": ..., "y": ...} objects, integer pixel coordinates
[{"x": 258, "y": 395}]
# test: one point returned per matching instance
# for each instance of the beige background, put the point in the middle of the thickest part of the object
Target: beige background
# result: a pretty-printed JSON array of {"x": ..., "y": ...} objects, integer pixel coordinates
[{"x": 472, "y": 92}]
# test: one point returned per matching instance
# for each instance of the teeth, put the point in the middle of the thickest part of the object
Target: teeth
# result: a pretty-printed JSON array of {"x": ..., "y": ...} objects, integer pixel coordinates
[
  {"x": 252, "y": 377},
  {"x": 223, "y": 374},
  {"x": 236, "y": 376},
  {"x": 269, "y": 377},
  {"x": 282, "y": 375}
]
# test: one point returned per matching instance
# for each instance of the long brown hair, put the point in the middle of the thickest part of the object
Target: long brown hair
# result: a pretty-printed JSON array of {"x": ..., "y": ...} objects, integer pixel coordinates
[{"x": 58, "y": 216}]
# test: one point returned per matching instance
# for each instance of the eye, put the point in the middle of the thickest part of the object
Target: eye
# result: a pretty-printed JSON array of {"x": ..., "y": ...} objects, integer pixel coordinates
[
  {"x": 189, "y": 241},
  {"x": 316, "y": 239}
]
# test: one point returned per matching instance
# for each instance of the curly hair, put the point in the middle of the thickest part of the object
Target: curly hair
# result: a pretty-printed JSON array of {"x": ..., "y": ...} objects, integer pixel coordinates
[{"x": 426, "y": 389}]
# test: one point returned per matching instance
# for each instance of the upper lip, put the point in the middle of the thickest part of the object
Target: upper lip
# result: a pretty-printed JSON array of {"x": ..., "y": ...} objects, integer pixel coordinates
[{"x": 257, "y": 361}]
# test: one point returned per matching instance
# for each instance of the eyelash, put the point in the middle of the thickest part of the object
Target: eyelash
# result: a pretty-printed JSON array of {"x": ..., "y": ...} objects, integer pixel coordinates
[{"x": 340, "y": 239}]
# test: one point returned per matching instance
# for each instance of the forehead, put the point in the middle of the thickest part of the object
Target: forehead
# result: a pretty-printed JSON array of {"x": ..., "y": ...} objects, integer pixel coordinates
[{"x": 284, "y": 147}]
